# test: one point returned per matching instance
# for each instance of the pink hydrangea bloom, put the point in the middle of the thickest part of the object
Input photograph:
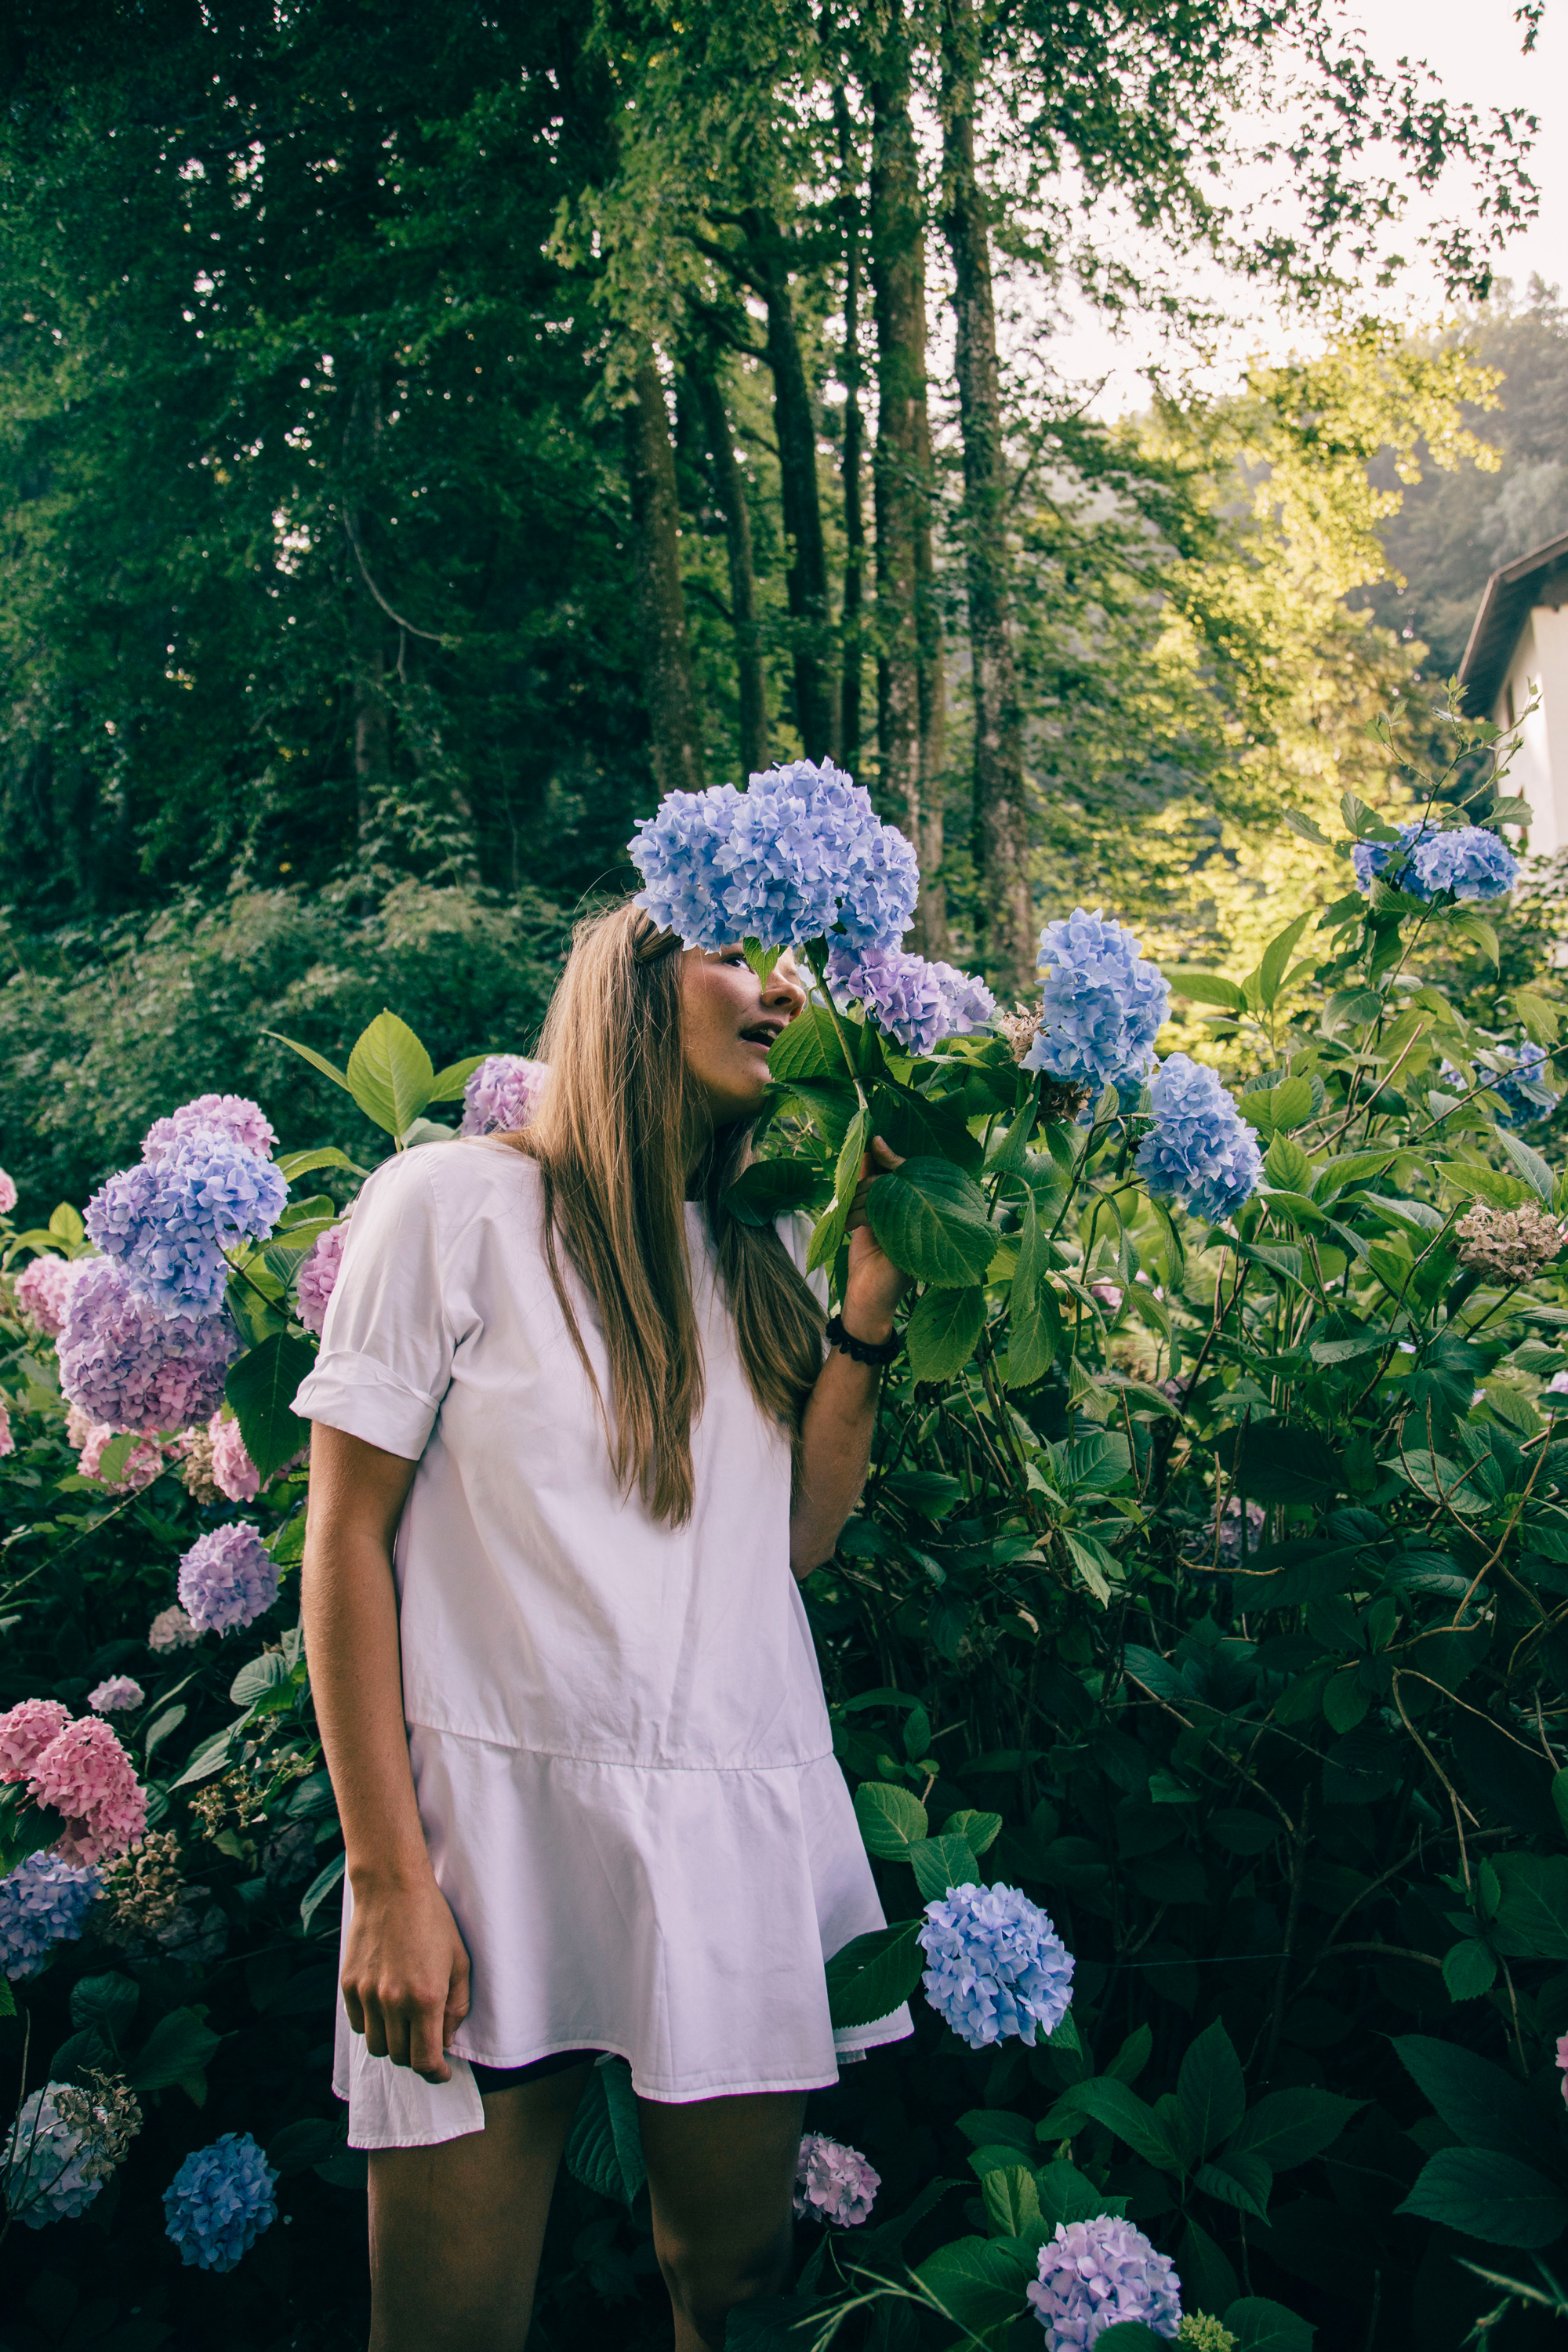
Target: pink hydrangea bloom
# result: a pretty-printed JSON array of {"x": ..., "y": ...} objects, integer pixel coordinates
[
  {"x": 125, "y": 1363},
  {"x": 833, "y": 2183},
  {"x": 234, "y": 1115},
  {"x": 24, "y": 1733},
  {"x": 7, "y": 1443},
  {"x": 234, "y": 1473},
  {"x": 142, "y": 1464},
  {"x": 171, "y": 1629},
  {"x": 227, "y": 1578},
  {"x": 85, "y": 1774},
  {"x": 44, "y": 1289},
  {"x": 318, "y": 1276},
  {"x": 502, "y": 1093},
  {"x": 117, "y": 1692},
  {"x": 7, "y": 1194},
  {"x": 1563, "y": 2063}
]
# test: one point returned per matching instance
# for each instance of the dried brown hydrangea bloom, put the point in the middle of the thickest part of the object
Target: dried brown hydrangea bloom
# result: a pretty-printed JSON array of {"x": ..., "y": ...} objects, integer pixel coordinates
[
  {"x": 197, "y": 1472},
  {"x": 1511, "y": 1244},
  {"x": 1020, "y": 1028},
  {"x": 108, "y": 2114},
  {"x": 143, "y": 1889}
]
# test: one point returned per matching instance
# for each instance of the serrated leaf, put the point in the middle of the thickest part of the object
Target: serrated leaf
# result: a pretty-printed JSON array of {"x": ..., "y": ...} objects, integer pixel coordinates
[
  {"x": 1276, "y": 956},
  {"x": 1210, "y": 2088},
  {"x": 1260, "y": 2326},
  {"x": 321, "y": 1886},
  {"x": 828, "y": 1234},
  {"x": 295, "y": 1164},
  {"x": 867, "y": 1979},
  {"x": 771, "y": 1189},
  {"x": 1530, "y": 1164},
  {"x": 1121, "y": 2111},
  {"x": 1012, "y": 2200},
  {"x": 1241, "y": 2182},
  {"x": 1035, "y": 1332},
  {"x": 1485, "y": 2195},
  {"x": 179, "y": 2047},
  {"x": 257, "y": 1677},
  {"x": 891, "y": 1819},
  {"x": 261, "y": 1387},
  {"x": 933, "y": 1222},
  {"x": 942, "y": 1333},
  {"x": 604, "y": 2149},
  {"x": 390, "y": 1074},
  {"x": 1206, "y": 987},
  {"x": 1289, "y": 2127},
  {"x": 941, "y": 1862},
  {"x": 980, "y": 1831}
]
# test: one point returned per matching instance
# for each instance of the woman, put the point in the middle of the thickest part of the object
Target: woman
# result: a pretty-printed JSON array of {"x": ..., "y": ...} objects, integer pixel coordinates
[{"x": 573, "y": 1429}]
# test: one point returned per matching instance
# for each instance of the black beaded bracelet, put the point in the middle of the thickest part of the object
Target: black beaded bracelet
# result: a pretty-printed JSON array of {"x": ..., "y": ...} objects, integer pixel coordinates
[{"x": 862, "y": 1351}]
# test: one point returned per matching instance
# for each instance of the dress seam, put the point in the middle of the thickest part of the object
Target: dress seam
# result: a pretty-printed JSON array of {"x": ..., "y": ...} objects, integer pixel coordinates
[{"x": 607, "y": 1763}]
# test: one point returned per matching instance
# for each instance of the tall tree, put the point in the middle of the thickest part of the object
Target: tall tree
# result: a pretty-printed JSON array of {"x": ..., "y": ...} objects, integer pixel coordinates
[
  {"x": 852, "y": 456},
  {"x": 730, "y": 489},
  {"x": 656, "y": 574},
  {"x": 1001, "y": 812}
]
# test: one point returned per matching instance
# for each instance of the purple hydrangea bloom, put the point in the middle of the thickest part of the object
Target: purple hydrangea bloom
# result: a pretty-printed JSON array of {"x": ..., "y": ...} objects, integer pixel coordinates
[
  {"x": 219, "y": 2202},
  {"x": 1094, "y": 2274},
  {"x": 168, "y": 1220},
  {"x": 997, "y": 1965},
  {"x": 833, "y": 2183},
  {"x": 43, "y": 1902},
  {"x": 234, "y": 1115},
  {"x": 318, "y": 1276},
  {"x": 1200, "y": 1149},
  {"x": 502, "y": 1093},
  {"x": 1470, "y": 862},
  {"x": 227, "y": 1578},
  {"x": 1101, "y": 1003},
  {"x": 127, "y": 1365},
  {"x": 50, "y": 2169},
  {"x": 915, "y": 1002},
  {"x": 1391, "y": 860},
  {"x": 118, "y": 1692},
  {"x": 799, "y": 854}
]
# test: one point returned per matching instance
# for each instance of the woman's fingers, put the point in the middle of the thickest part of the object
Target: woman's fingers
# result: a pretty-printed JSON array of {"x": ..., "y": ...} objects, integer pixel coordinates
[{"x": 880, "y": 1160}]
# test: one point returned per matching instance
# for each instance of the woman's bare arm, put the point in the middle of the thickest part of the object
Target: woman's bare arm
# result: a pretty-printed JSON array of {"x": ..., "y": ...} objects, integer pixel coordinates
[
  {"x": 405, "y": 1971},
  {"x": 841, "y": 1413}
]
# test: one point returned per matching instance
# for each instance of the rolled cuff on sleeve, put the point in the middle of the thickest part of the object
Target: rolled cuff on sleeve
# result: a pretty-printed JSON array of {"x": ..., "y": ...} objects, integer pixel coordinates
[{"x": 354, "y": 1393}]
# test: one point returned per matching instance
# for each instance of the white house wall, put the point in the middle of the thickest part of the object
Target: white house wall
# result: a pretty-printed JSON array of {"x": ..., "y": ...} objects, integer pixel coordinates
[{"x": 1540, "y": 771}]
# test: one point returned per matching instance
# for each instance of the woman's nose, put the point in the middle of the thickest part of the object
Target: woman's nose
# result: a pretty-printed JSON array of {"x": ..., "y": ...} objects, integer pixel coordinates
[{"x": 786, "y": 984}]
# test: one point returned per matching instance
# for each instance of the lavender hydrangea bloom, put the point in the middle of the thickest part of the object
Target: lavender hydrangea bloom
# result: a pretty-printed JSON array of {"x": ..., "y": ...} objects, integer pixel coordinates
[
  {"x": 166, "y": 1221},
  {"x": 997, "y": 1965},
  {"x": 318, "y": 1276},
  {"x": 833, "y": 2183},
  {"x": 172, "y": 1630},
  {"x": 1470, "y": 862},
  {"x": 43, "y": 1902},
  {"x": 227, "y": 1578},
  {"x": 1200, "y": 1149},
  {"x": 127, "y": 1365},
  {"x": 1101, "y": 1003},
  {"x": 502, "y": 1093},
  {"x": 914, "y": 1002},
  {"x": 1391, "y": 860},
  {"x": 118, "y": 1692},
  {"x": 232, "y": 1115},
  {"x": 50, "y": 2169},
  {"x": 1094, "y": 2274},
  {"x": 799, "y": 854},
  {"x": 219, "y": 2202}
]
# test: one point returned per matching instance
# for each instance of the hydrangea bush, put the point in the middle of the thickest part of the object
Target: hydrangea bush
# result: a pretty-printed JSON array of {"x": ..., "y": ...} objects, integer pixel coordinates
[{"x": 1195, "y": 1657}]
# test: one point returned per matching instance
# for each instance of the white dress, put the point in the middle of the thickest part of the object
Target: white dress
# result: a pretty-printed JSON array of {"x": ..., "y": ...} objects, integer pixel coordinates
[{"x": 623, "y": 1760}]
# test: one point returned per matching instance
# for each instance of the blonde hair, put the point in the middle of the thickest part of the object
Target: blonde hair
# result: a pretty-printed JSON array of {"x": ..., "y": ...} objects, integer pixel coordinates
[{"x": 618, "y": 1134}]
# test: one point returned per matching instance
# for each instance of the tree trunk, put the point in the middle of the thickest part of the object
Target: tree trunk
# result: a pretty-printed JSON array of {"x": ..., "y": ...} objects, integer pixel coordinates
[
  {"x": 660, "y": 606},
  {"x": 1001, "y": 797},
  {"x": 794, "y": 428},
  {"x": 750, "y": 677},
  {"x": 367, "y": 626},
  {"x": 909, "y": 700},
  {"x": 853, "y": 456}
]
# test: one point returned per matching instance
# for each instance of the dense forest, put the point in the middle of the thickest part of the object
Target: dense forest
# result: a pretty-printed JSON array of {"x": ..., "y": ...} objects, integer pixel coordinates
[{"x": 420, "y": 443}]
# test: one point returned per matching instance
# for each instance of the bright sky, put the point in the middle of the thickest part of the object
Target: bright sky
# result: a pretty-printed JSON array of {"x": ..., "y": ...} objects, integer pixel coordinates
[{"x": 1473, "y": 46}]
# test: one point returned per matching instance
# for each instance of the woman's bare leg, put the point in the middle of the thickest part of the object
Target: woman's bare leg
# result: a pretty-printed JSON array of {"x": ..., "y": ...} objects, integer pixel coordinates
[
  {"x": 456, "y": 2231},
  {"x": 722, "y": 2177}
]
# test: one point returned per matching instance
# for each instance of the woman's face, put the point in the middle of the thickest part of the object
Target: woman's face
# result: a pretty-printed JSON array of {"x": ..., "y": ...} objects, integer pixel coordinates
[{"x": 729, "y": 1018}]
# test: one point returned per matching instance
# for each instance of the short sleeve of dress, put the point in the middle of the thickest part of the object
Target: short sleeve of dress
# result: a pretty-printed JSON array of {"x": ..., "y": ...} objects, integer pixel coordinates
[
  {"x": 794, "y": 1229},
  {"x": 386, "y": 1344}
]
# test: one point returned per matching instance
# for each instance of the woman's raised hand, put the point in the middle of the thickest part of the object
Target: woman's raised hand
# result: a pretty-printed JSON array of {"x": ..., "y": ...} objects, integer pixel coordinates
[
  {"x": 876, "y": 1284},
  {"x": 406, "y": 1975}
]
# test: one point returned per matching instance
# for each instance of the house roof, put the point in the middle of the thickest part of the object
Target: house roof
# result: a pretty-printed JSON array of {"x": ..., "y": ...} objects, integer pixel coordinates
[{"x": 1538, "y": 578}]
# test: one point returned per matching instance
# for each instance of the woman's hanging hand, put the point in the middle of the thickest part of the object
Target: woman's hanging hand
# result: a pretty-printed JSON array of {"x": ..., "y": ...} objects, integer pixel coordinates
[
  {"x": 405, "y": 1974},
  {"x": 875, "y": 1285}
]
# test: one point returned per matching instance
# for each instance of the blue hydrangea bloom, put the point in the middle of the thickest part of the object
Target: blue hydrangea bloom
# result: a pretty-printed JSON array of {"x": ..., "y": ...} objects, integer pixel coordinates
[
  {"x": 1200, "y": 1148},
  {"x": 799, "y": 854},
  {"x": 130, "y": 1367},
  {"x": 1524, "y": 1066},
  {"x": 50, "y": 2170},
  {"x": 913, "y": 1001},
  {"x": 1101, "y": 1003},
  {"x": 227, "y": 1578},
  {"x": 997, "y": 1965},
  {"x": 43, "y": 1902},
  {"x": 1391, "y": 860},
  {"x": 167, "y": 1220},
  {"x": 220, "y": 2202},
  {"x": 1471, "y": 862},
  {"x": 1095, "y": 2274}
]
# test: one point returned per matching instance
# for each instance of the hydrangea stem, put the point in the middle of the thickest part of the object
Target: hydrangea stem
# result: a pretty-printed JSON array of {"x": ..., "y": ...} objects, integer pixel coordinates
[{"x": 816, "y": 957}]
